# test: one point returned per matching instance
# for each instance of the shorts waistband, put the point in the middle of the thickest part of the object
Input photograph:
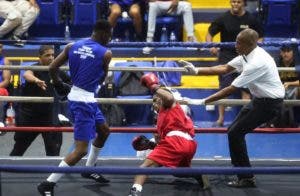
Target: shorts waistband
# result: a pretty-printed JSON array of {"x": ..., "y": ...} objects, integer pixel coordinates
[
  {"x": 180, "y": 134},
  {"x": 78, "y": 94}
]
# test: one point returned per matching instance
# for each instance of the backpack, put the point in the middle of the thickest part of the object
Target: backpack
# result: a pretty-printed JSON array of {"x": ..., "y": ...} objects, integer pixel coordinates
[
  {"x": 169, "y": 78},
  {"x": 114, "y": 115},
  {"x": 129, "y": 84}
]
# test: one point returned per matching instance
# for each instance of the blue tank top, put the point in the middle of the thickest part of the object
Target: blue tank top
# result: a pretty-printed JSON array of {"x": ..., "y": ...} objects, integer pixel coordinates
[
  {"x": 1, "y": 63},
  {"x": 85, "y": 62}
]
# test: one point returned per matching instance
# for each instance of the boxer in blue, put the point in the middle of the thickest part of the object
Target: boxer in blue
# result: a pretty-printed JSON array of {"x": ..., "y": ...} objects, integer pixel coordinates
[{"x": 88, "y": 62}]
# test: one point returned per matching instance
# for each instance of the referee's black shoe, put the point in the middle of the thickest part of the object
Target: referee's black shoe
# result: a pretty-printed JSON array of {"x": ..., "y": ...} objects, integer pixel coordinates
[
  {"x": 242, "y": 183},
  {"x": 94, "y": 176},
  {"x": 46, "y": 188}
]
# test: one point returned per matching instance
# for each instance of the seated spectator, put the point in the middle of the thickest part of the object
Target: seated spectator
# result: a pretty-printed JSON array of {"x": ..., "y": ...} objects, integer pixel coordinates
[
  {"x": 37, "y": 84},
  {"x": 125, "y": 8},
  {"x": 4, "y": 81},
  {"x": 291, "y": 83},
  {"x": 170, "y": 7},
  {"x": 19, "y": 15},
  {"x": 289, "y": 79}
]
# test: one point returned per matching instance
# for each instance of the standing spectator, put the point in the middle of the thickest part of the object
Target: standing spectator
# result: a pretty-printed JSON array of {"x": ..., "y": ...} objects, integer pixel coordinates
[
  {"x": 19, "y": 15},
  {"x": 229, "y": 25},
  {"x": 88, "y": 62},
  {"x": 37, "y": 84},
  {"x": 4, "y": 81},
  {"x": 170, "y": 7},
  {"x": 259, "y": 73},
  {"x": 125, "y": 8}
]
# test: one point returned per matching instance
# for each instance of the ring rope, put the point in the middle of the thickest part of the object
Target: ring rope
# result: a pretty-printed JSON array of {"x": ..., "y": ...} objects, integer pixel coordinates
[
  {"x": 132, "y": 69},
  {"x": 155, "y": 44},
  {"x": 153, "y": 171},
  {"x": 227, "y": 102},
  {"x": 145, "y": 130}
]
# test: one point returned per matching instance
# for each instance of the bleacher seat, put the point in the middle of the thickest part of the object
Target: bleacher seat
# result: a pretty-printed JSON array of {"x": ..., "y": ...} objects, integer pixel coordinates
[
  {"x": 84, "y": 15},
  {"x": 172, "y": 23},
  {"x": 124, "y": 29},
  {"x": 49, "y": 22},
  {"x": 280, "y": 18}
]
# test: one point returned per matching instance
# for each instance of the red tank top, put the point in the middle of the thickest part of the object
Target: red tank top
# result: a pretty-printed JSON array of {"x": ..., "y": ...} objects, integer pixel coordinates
[{"x": 172, "y": 119}]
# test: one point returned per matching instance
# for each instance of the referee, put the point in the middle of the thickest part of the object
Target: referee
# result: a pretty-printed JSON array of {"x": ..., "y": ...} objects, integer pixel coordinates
[{"x": 258, "y": 73}]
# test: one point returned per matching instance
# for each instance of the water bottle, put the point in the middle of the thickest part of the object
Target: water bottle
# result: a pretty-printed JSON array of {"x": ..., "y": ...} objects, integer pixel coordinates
[
  {"x": 10, "y": 116},
  {"x": 173, "y": 37},
  {"x": 164, "y": 34},
  {"x": 67, "y": 32}
]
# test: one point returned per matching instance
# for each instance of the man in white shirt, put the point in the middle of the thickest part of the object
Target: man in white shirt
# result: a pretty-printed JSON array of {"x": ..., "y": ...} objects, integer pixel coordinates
[{"x": 260, "y": 75}]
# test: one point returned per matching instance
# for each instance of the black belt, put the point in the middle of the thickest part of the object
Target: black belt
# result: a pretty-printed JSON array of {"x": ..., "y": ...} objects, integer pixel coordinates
[{"x": 268, "y": 99}]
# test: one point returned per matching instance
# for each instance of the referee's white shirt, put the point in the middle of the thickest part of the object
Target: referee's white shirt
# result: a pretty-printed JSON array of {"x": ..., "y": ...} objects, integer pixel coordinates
[{"x": 259, "y": 73}]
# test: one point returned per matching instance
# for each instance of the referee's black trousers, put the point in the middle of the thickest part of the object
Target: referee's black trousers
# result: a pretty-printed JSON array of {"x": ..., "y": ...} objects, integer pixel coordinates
[{"x": 252, "y": 115}]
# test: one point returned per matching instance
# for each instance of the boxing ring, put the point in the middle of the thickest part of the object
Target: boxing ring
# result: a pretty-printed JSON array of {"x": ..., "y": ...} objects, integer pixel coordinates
[{"x": 273, "y": 152}]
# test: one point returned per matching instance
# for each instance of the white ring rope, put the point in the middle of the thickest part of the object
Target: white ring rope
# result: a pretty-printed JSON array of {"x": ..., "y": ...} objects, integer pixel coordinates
[
  {"x": 228, "y": 102},
  {"x": 159, "y": 69}
]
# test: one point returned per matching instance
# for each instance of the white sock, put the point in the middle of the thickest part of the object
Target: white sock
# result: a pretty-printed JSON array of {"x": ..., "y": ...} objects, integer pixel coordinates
[
  {"x": 138, "y": 187},
  {"x": 54, "y": 177},
  {"x": 92, "y": 158}
]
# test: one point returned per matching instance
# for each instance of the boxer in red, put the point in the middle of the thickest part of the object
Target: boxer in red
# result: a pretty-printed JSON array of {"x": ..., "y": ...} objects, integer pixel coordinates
[{"x": 175, "y": 146}]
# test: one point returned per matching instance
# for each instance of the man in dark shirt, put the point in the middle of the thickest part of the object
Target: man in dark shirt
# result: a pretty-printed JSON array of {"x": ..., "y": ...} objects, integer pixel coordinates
[
  {"x": 37, "y": 84},
  {"x": 229, "y": 25}
]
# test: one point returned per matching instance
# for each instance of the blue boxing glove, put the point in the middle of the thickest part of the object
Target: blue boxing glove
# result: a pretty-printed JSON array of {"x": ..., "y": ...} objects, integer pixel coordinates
[
  {"x": 141, "y": 142},
  {"x": 62, "y": 89}
]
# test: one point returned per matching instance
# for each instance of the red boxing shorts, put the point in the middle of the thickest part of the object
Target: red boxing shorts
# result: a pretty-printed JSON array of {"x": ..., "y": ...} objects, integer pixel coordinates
[{"x": 174, "y": 151}]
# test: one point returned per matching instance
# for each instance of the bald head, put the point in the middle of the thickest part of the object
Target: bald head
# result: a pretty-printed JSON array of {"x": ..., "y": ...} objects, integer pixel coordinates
[
  {"x": 246, "y": 41},
  {"x": 248, "y": 36}
]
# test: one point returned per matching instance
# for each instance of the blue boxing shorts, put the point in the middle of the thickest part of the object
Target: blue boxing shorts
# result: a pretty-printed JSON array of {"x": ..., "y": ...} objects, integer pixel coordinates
[{"x": 85, "y": 116}]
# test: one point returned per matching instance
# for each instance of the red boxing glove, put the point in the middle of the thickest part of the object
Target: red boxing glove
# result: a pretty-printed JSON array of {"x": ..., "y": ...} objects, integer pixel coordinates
[
  {"x": 150, "y": 81},
  {"x": 141, "y": 142},
  {"x": 3, "y": 92}
]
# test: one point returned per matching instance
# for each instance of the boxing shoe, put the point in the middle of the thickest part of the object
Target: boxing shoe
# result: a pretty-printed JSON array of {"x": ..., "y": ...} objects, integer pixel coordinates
[
  {"x": 242, "y": 183},
  {"x": 134, "y": 192},
  {"x": 46, "y": 188},
  {"x": 94, "y": 176}
]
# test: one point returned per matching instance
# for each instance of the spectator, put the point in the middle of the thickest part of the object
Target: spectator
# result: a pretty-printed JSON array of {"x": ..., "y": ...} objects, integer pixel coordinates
[
  {"x": 19, "y": 15},
  {"x": 37, "y": 84},
  {"x": 229, "y": 25},
  {"x": 291, "y": 83},
  {"x": 170, "y": 7},
  {"x": 4, "y": 81},
  {"x": 287, "y": 59},
  {"x": 125, "y": 7}
]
